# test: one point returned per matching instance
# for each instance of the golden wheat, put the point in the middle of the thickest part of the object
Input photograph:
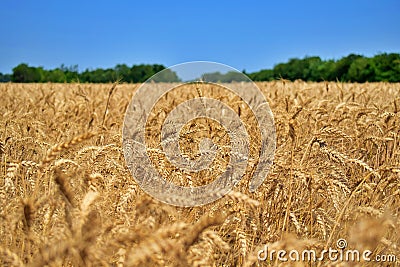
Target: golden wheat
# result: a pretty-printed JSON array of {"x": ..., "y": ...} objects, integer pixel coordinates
[{"x": 68, "y": 199}]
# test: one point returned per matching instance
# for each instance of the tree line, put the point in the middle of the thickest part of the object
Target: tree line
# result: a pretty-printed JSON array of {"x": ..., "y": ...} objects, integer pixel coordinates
[
  {"x": 352, "y": 68},
  {"x": 23, "y": 73}
]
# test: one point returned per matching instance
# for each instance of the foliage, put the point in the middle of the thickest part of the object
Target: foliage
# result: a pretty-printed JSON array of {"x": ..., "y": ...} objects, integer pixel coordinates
[
  {"x": 23, "y": 74},
  {"x": 352, "y": 68},
  {"x": 230, "y": 76},
  {"x": 5, "y": 78},
  {"x": 135, "y": 74}
]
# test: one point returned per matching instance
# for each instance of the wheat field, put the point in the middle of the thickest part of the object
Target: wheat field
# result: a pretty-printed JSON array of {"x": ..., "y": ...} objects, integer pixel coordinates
[{"x": 68, "y": 199}]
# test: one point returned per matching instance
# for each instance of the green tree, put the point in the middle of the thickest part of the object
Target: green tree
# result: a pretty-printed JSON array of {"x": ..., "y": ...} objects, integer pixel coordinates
[
  {"x": 291, "y": 70},
  {"x": 71, "y": 73},
  {"x": 123, "y": 72},
  {"x": 310, "y": 71},
  {"x": 262, "y": 75},
  {"x": 387, "y": 67},
  {"x": 211, "y": 77},
  {"x": 5, "y": 78},
  {"x": 343, "y": 65},
  {"x": 361, "y": 70},
  {"x": 326, "y": 71},
  {"x": 233, "y": 76},
  {"x": 167, "y": 75},
  {"x": 140, "y": 73},
  {"x": 55, "y": 76},
  {"x": 304, "y": 69},
  {"x": 230, "y": 76},
  {"x": 25, "y": 74}
]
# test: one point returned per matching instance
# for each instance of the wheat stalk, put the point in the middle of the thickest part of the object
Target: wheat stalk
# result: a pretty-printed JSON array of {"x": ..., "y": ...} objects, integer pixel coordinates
[{"x": 57, "y": 149}]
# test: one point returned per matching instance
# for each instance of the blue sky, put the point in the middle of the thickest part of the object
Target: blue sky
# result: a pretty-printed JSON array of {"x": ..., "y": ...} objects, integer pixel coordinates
[{"x": 250, "y": 35}]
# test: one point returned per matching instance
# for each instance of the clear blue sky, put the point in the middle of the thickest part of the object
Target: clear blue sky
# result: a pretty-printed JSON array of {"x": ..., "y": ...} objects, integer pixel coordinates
[{"x": 249, "y": 35}]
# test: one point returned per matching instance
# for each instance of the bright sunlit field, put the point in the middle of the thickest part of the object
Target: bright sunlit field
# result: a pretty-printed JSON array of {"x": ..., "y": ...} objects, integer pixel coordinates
[{"x": 68, "y": 199}]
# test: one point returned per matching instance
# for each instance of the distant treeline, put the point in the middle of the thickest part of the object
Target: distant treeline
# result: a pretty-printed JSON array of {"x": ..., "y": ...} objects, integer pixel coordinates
[
  {"x": 352, "y": 68},
  {"x": 23, "y": 73}
]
